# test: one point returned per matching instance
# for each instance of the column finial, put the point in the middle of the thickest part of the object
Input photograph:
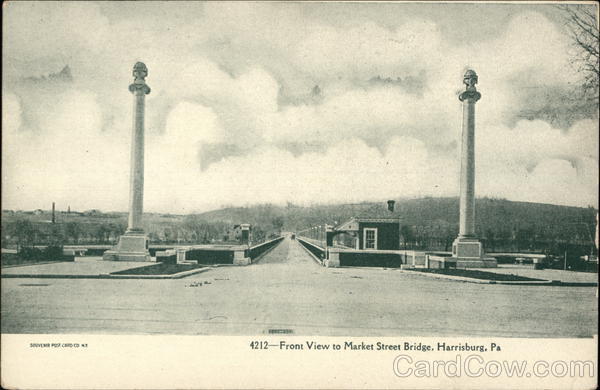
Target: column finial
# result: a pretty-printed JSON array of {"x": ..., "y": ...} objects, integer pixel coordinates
[
  {"x": 140, "y": 72},
  {"x": 470, "y": 79}
]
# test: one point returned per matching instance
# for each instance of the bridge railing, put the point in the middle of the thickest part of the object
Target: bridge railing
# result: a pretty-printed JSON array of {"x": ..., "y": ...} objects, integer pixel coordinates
[
  {"x": 258, "y": 250},
  {"x": 318, "y": 252}
]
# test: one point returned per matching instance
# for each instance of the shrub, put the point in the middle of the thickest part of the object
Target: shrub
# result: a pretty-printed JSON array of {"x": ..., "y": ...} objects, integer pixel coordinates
[
  {"x": 53, "y": 252},
  {"x": 30, "y": 253},
  {"x": 50, "y": 253}
]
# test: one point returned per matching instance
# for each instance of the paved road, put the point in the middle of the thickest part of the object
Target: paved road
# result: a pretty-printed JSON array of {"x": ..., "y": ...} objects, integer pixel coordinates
[{"x": 287, "y": 289}]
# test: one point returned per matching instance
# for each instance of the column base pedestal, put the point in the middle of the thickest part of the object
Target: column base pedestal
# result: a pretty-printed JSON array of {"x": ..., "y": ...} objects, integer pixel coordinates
[
  {"x": 131, "y": 247},
  {"x": 468, "y": 253},
  {"x": 334, "y": 259},
  {"x": 239, "y": 256},
  {"x": 483, "y": 262}
]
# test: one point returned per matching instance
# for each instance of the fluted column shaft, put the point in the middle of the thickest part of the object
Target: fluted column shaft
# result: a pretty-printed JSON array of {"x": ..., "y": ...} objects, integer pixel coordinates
[
  {"x": 136, "y": 179},
  {"x": 467, "y": 168}
]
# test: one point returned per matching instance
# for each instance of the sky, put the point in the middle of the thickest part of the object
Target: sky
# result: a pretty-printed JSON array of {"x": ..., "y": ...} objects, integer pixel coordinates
[{"x": 289, "y": 102}]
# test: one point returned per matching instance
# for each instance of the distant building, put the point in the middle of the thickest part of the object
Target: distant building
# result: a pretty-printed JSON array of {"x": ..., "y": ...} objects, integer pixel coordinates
[
  {"x": 378, "y": 228},
  {"x": 38, "y": 212},
  {"x": 240, "y": 233},
  {"x": 235, "y": 233}
]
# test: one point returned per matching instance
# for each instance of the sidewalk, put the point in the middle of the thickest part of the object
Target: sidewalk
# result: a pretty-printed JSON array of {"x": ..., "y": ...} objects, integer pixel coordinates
[
  {"x": 82, "y": 266},
  {"x": 547, "y": 274}
]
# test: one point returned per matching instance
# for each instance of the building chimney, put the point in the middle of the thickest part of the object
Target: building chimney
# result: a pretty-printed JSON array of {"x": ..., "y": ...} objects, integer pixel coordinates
[
  {"x": 391, "y": 204},
  {"x": 53, "y": 213}
]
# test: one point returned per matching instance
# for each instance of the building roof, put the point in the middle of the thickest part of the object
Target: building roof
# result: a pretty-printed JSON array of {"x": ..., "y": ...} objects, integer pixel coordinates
[{"x": 376, "y": 213}]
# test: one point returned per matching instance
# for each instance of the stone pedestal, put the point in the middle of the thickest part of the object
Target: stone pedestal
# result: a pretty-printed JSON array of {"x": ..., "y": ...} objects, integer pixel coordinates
[
  {"x": 333, "y": 260},
  {"x": 468, "y": 253},
  {"x": 181, "y": 255},
  {"x": 131, "y": 247},
  {"x": 467, "y": 248},
  {"x": 239, "y": 257}
]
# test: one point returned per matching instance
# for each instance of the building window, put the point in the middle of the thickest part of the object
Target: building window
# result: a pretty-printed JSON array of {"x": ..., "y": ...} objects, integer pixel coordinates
[{"x": 370, "y": 238}]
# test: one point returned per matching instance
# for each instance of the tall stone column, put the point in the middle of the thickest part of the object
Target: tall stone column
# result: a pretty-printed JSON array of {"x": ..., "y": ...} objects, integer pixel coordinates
[
  {"x": 467, "y": 167},
  {"x": 467, "y": 249},
  {"x": 139, "y": 89},
  {"x": 133, "y": 245}
]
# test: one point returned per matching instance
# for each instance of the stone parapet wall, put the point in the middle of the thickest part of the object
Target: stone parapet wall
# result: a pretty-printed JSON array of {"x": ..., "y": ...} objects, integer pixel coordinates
[
  {"x": 257, "y": 250},
  {"x": 362, "y": 258},
  {"x": 210, "y": 255},
  {"x": 316, "y": 250}
]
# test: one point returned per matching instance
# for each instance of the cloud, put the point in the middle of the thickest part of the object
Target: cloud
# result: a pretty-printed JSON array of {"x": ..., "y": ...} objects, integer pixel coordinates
[
  {"x": 11, "y": 114},
  {"x": 350, "y": 171},
  {"x": 374, "y": 114},
  {"x": 73, "y": 163},
  {"x": 47, "y": 30},
  {"x": 190, "y": 123},
  {"x": 537, "y": 163},
  {"x": 230, "y": 118}
]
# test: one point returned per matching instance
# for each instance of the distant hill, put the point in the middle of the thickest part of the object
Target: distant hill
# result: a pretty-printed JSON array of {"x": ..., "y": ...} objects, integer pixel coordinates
[
  {"x": 494, "y": 217},
  {"x": 431, "y": 222},
  {"x": 490, "y": 213}
]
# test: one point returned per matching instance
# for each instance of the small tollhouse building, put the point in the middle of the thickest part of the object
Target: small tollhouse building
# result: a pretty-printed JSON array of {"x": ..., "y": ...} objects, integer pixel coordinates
[{"x": 377, "y": 228}]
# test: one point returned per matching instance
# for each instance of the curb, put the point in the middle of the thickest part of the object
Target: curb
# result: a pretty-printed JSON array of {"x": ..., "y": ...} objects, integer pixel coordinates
[
  {"x": 42, "y": 263},
  {"x": 178, "y": 275},
  {"x": 370, "y": 268},
  {"x": 483, "y": 281},
  {"x": 54, "y": 276}
]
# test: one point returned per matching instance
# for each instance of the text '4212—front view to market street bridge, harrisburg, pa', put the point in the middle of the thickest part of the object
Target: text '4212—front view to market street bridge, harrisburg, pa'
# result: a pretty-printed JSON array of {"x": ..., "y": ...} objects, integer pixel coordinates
[{"x": 390, "y": 174}]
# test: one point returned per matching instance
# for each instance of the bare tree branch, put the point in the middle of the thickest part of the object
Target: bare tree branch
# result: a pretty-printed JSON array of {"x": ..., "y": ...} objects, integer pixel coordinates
[{"x": 582, "y": 24}]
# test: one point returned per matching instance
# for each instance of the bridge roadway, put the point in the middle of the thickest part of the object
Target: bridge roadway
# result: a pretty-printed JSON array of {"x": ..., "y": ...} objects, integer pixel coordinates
[{"x": 287, "y": 291}]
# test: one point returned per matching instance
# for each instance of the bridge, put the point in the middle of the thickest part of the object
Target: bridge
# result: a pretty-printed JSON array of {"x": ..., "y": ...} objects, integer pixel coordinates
[{"x": 287, "y": 291}]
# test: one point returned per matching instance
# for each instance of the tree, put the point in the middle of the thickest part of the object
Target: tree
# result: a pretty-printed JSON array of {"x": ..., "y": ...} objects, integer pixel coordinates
[
  {"x": 24, "y": 231},
  {"x": 73, "y": 231},
  {"x": 101, "y": 233},
  {"x": 196, "y": 227},
  {"x": 153, "y": 237},
  {"x": 258, "y": 234},
  {"x": 56, "y": 237},
  {"x": 278, "y": 222},
  {"x": 582, "y": 25},
  {"x": 407, "y": 234},
  {"x": 490, "y": 239}
]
